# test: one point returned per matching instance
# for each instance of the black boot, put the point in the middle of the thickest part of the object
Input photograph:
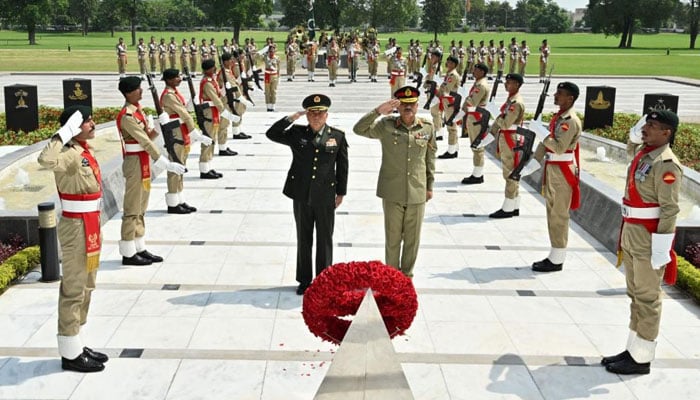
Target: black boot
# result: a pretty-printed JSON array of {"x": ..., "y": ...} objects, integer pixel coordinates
[
  {"x": 189, "y": 207},
  {"x": 502, "y": 214},
  {"x": 447, "y": 155},
  {"x": 209, "y": 175},
  {"x": 546, "y": 266},
  {"x": 178, "y": 209},
  {"x": 302, "y": 287},
  {"x": 82, "y": 363},
  {"x": 228, "y": 152},
  {"x": 147, "y": 255}
]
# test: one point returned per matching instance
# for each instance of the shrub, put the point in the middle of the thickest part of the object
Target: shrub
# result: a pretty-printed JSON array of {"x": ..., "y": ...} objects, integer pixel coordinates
[
  {"x": 692, "y": 254},
  {"x": 688, "y": 278},
  {"x": 11, "y": 246},
  {"x": 18, "y": 265}
]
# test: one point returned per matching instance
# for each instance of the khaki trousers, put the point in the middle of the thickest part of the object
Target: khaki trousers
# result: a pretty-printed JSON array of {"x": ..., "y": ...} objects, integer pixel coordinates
[
  {"x": 332, "y": 70},
  {"x": 193, "y": 63},
  {"x": 402, "y": 223},
  {"x": 557, "y": 194},
  {"x": 291, "y": 66},
  {"x": 543, "y": 69},
  {"x": 372, "y": 67},
  {"x": 152, "y": 61},
  {"x": 473, "y": 132},
  {"x": 175, "y": 181},
  {"x": 135, "y": 200},
  {"x": 399, "y": 82},
  {"x": 643, "y": 282},
  {"x": 142, "y": 65},
  {"x": 507, "y": 165},
  {"x": 521, "y": 68},
  {"x": 121, "y": 63},
  {"x": 271, "y": 89},
  {"x": 77, "y": 283},
  {"x": 207, "y": 152}
]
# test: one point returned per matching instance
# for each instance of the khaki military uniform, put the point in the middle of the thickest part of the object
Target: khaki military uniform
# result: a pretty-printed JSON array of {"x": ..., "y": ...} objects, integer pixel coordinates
[
  {"x": 193, "y": 58},
  {"x": 544, "y": 58},
  {"x": 406, "y": 175},
  {"x": 209, "y": 92},
  {"x": 398, "y": 74},
  {"x": 222, "y": 136},
  {"x": 141, "y": 56},
  {"x": 138, "y": 148},
  {"x": 478, "y": 97},
  {"x": 522, "y": 63},
  {"x": 121, "y": 58},
  {"x": 77, "y": 177},
  {"x": 505, "y": 126},
  {"x": 372, "y": 61},
  {"x": 174, "y": 104},
  {"x": 172, "y": 54},
  {"x": 353, "y": 54},
  {"x": 292, "y": 52},
  {"x": 204, "y": 52},
  {"x": 514, "y": 51},
  {"x": 332, "y": 58},
  {"x": 272, "y": 78},
  {"x": 657, "y": 178},
  {"x": 153, "y": 56},
  {"x": 560, "y": 185},
  {"x": 310, "y": 52},
  {"x": 162, "y": 56},
  {"x": 184, "y": 56},
  {"x": 491, "y": 58},
  {"x": 501, "y": 51},
  {"x": 443, "y": 109}
]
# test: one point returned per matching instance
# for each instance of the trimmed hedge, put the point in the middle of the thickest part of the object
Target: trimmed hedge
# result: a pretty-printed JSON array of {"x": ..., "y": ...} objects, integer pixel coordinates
[
  {"x": 18, "y": 265},
  {"x": 688, "y": 278}
]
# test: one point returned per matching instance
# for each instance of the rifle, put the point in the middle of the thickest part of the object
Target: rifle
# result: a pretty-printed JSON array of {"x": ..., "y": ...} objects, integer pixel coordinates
[
  {"x": 254, "y": 71},
  {"x": 494, "y": 89},
  {"x": 245, "y": 82},
  {"x": 228, "y": 88},
  {"x": 524, "y": 146},
  {"x": 432, "y": 88},
  {"x": 165, "y": 129},
  {"x": 198, "y": 107},
  {"x": 543, "y": 95},
  {"x": 457, "y": 107},
  {"x": 418, "y": 79},
  {"x": 484, "y": 127}
]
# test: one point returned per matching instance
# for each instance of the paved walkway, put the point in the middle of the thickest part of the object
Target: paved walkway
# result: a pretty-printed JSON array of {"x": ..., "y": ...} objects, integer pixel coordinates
[{"x": 219, "y": 317}]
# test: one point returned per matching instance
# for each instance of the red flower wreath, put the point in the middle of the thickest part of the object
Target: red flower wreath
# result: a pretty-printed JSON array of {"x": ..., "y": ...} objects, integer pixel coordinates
[{"x": 338, "y": 291}]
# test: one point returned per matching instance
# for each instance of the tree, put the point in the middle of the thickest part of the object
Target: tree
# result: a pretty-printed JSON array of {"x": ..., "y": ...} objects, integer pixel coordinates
[
  {"x": 106, "y": 16},
  {"x": 550, "y": 18},
  {"x": 239, "y": 13},
  {"x": 30, "y": 13},
  {"x": 440, "y": 16},
  {"x": 620, "y": 17},
  {"x": 690, "y": 16},
  {"x": 83, "y": 11}
]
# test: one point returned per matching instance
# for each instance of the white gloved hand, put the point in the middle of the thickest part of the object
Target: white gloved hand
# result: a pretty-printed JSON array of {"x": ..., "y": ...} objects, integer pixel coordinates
[
  {"x": 228, "y": 85},
  {"x": 71, "y": 128},
  {"x": 197, "y": 136},
  {"x": 459, "y": 116},
  {"x": 163, "y": 118},
  {"x": 540, "y": 130},
  {"x": 486, "y": 141},
  {"x": 149, "y": 122},
  {"x": 636, "y": 130},
  {"x": 493, "y": 109},
  {"x": 230, "y": 116},
  {"x": 661, "y": 249},
  {"x": 163, "y": 163},
  {"x": 530, "y": 167},
  {"x": 190, "y": 106}
]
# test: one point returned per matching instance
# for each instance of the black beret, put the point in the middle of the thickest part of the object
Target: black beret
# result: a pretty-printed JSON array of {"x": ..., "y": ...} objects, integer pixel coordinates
[
  {"x": 129, "y": 84},
  {"x": 407, "y": 94},
  {"x": 68, "y": 112},
  {"x": 319, "y": 102},
  {"x": 515, "y": 77},
  {"x": 482, "y": 67},
  {"x": 453, "y": 59},
  {"x": 436, "y": 52},
  {"x": 235, "y": 54},
  {"x": 667, "y": 117},
  {"x": 569, "y": 87},
  {"x": 226, "y": 57},
  {"x": 170, "y": 73},
  {"x": 208, "y": 64}
]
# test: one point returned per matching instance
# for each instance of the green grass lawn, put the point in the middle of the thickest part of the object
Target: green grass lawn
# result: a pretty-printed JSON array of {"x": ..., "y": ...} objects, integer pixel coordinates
[{"x": 572, "y": 53}]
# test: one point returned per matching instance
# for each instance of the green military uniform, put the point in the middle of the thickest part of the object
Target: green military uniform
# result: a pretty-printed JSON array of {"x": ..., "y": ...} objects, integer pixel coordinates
[
  {"x": 79, "y": 185},
  {"x": 443, "y": 110},
  {"x": 560, "y": 178},
  {"x": 272, "y": 78},
  {"x": 478, "y": 97},
  {"x": 505, "y": 126},
  {"x": 406, "y": 175}
]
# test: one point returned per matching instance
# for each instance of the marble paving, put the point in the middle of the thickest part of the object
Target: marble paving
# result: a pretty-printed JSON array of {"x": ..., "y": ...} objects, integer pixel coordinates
[{"x": 219, "y": 319}]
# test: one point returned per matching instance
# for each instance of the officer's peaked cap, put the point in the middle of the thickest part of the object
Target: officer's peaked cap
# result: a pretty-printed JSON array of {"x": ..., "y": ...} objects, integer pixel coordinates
[
  {"x": 407, "y": 94},
  {"x": 316, "y": 102}
]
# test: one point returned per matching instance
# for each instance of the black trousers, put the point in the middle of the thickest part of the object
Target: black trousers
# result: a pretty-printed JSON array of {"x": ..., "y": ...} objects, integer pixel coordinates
[{"x": 306, "y": 217}]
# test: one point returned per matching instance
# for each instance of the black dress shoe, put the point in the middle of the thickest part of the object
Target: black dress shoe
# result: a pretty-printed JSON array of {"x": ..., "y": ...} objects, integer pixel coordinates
[
  {"x": 241, "y": 136},
  {"x": 82, "y": 363},
  {"x": 95, "y": 355},
  {"x": 136, "y": 259},
  {"x": 189, "y": 207},
  {"x": 446, "y": 155},
  {"x": 147, "y": 255},
  {"x": 228, "y": 152},
  {"x": 502, "y": 214},
  {"x": 464, "y": 135},
  {"x": 516, "y": 212},
  {"x": 209, "y": 175},
  {"x": 472, "y": 180},
  {"x": 302, "y": 288},
  {"x": 438, "y": 138},
  {"x": 617, "y": 357},
  {"x": 629, "y": 367},
  {"x": 546, "y": 266},
  {"x": 178, "y": 209},
  {"x": 217, "y": 173}
]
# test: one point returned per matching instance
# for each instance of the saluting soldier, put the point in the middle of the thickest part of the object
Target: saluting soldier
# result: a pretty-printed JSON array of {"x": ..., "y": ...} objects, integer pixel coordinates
[
  {"x": 514, "y": 52},
  {"x": 162, "y": 55},
  {"x": 172, "y": 53},
  {"x": 544, "y": 58},
  {"x": 332, "y": 58},
  {"x": 79, "y": 183},
  {"x": 121, "y": 57},
  {"x": 650, "y": 208},
  {"x": 524, "y": 53},
  {"x": 317, "y": 181},
  {"x": 444, "y": 109},
  {"x": 272, "y": 77},
  {"x": 141, "y": 51},
  {"x": 505, "y": 129},
  {"x": 310, "y": 51},
  {"x": 292, "y": 52},
  {"x": 406, "y": 175},
  {"x": 138, "y": 149},
  {"x": 153, "y": 55},
  {"x": 193, "y": 57},
  {"x": 478, "y": 97},
  {"x": 372, "y": 60},
  {"x": 560, "y": 177},
  {"x": 173, "y": 103}
]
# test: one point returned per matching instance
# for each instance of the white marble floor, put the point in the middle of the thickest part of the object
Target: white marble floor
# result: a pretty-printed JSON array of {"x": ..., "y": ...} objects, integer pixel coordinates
[{"x": 228, "y": 325}]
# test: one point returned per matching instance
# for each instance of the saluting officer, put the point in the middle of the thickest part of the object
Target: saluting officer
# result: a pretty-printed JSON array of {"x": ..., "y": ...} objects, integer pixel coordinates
[
  {"x": 478, "y": 97},
  {"x": 79, "y": 182},
  {"x": 560, "y": 177},
  {"x": 650, "y": 208},
  {"x": 407, "y": 173},
  {"x": 317, "y": 181},
  {"x": 138, "y": 149},
  {"x": 444, "y": 109},
  {"x": 173, "y": 103},
  {"x": 505, "y": 129}
]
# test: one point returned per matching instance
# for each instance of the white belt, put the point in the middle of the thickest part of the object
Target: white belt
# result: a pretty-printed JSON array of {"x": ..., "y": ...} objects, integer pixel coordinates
[
  {"x": 133, "y": 147},
  {"x": 641, "y": 213},
  {"x": 81, "y": 206},
  {"x": 471, "y": 109},
  {"x": 559, "y": 157}
]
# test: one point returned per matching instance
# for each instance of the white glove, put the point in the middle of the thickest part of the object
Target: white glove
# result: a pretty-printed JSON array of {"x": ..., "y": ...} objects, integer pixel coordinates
[
  {"x": 486, "y": 141},
  {"x": 190, "y": 106},
  {"x": 458, "y": 117},
  {"x": 661, "y": 249},
  {"x": 636, "y": 130},
  {"x": 163, "y": 118},
  {"x": 540, "y": 130},
  {"x": 230, "y": 116},
  {"x": 530, "y": 167},
  {"x": 170, "y": 166},
  {"x": 493, "y": 109},
  {"x": 71, "y": 128},
  {"x": 228, "y": 85},
  {"x": 149, "y": 122},
  {"x": 197, "y": 136}
]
